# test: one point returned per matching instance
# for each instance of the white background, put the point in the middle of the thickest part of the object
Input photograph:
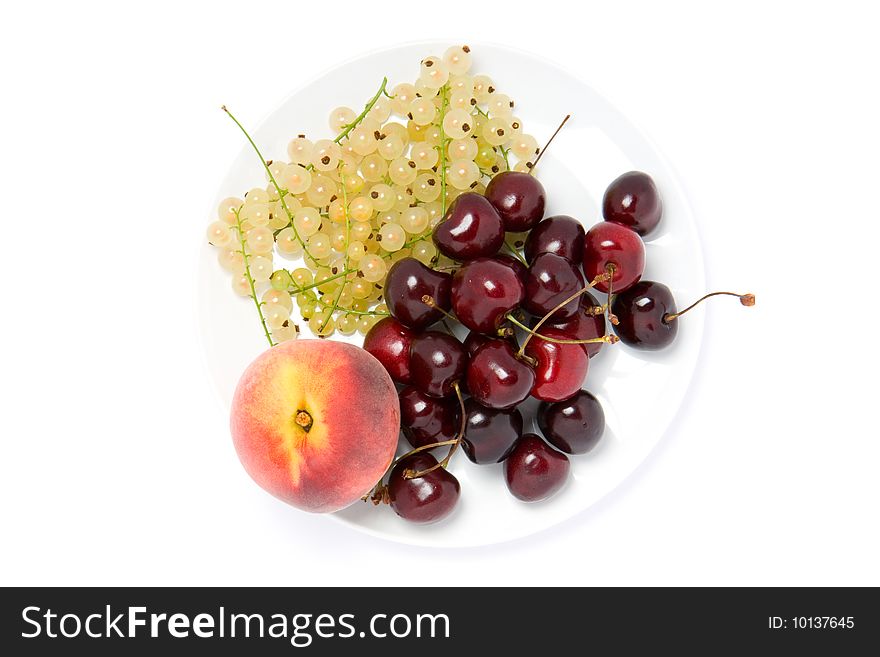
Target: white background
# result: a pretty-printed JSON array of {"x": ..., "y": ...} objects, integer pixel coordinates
[{"x": 115, "y": 447}]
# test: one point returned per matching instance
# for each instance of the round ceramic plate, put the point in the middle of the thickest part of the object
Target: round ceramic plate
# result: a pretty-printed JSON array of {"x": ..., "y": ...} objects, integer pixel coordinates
[{"x": 640, "y": 392}]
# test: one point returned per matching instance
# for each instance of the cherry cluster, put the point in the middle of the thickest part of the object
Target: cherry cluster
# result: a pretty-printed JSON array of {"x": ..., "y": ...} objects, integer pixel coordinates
[{"x": 533, "y": 327}]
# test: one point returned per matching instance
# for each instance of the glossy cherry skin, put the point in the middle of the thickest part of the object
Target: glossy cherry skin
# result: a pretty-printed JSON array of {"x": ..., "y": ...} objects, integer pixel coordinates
[
  {"x": 550, "y": 281},
  {"x": 534, "y": 471},
  {"x": 585, "y": 325},
  {"x": 560, "y": 234},
  {"x": 407, "y": 282},
  {"x": 608, "y": 243},
  {"x": 436, "y": 361},
  {"x": 574, "y": 425},
  {"x": 632, "y": 200},
  {"x": 515, "y": 264},
  {"x": 641, "y": 311},
  {"x": 497, "y": 378},
  {"x": 425, "y": 420},
  {"x": 519, "y": 199},
  {"x": 423, "y": 499},
  {"x": 561, "y": 368},
  {"x": 474, "y": 341},
  {"x": 471, "y": 229},
  {"x": 390, "y": 342},
  {"x": 489, "y": 433},
  {"x": 483, "y": 292}
]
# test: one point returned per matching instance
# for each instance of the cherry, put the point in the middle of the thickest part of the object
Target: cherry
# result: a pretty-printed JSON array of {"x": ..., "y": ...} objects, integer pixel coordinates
[
  {"x": 585, "y": 324},
  {"x": 632, "y": 200},
  {"x": 426, "y": 420},
  {"x": 474, "y": 341},
  {"x": 424, "y": 499},
  {"x": 647, "y": 315},
  {"x": 389, "y": 342},
  {"x": 489, "y": 433},
  {"x": 407, "y": 282},
  {"x": 471, "y": 229},
  {"x": 437, "y": 361},
  {"x": 551, "y": 280},
  {"x": 561, "y": 368},
  {"x": 534, "y": 471},
  {"x": 483, "y": 292},
  {"x": 519, "y": 199},
  {"x": 609, "y": 245},
  {"x": 560, "y": 234},
  {"x": 641, "y": 311},
  {"x": 574, "y": 425},
  {"x": 515, "y": 264},
  {"x": 497, "y": 378}
]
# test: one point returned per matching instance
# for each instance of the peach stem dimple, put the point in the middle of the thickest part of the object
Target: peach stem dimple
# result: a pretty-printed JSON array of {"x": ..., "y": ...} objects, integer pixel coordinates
[{"x": 303, "y": 419}]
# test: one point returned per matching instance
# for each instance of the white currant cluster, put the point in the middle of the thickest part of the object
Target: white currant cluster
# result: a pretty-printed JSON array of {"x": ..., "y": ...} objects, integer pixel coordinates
[{"x": 352, "y": 206}]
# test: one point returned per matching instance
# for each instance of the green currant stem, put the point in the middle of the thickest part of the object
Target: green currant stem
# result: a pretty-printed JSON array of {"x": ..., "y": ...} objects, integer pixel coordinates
[
  {"x": 281, "y": 193},
  {"x": 516, "y": 254},
  {"x": 311, "y": 286},
  {"x": 455, "y": 443},
  {"x": 247, "y": 273},
  {"x": 416, "y": 240},
  {"x": 347, "y": 234},
  {"x": 360, "y": 117},
  {"x": 611, "y": 339},
  {"x": 504, "y": 154},
  {"x": 365, "y": 313},
  {"x": 443, "y": 106},
  {"x": 600, "y": 278}
]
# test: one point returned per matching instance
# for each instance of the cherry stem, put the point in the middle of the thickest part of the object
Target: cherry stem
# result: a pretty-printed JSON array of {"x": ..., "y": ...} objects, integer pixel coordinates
[
  {"x": 610, "y": 339},
  {"x": 372, "y": 493},
  {"x": 455, "y": 443},
  {"x": 429, "y": 301},
  {"x": 610, "y": 268},
  {"x": 549, "y": 141},
  {"x": 599, "y": 279},
  {"x": 747, "y": 299}
]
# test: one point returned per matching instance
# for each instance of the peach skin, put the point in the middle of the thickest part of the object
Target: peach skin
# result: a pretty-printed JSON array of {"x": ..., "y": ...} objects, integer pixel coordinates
[{"x": 315, "y": 423}]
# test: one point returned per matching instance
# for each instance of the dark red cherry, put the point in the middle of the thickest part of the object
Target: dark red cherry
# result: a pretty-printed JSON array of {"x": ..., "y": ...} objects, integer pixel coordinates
[
  {"x": 424, "y": 499},
  {"x": 585, "y": 325},
  {"x": 632, "y": 200},
  {"x": 551, "y": 280},
  {"x": 389, "y": 342},
  {"x": 425, "y": 419},
  {"x": 519, "y": 198},
  {"x": 574, "y": 425},
  {"x": 474, "y": 341},
  {"x": 641, "y": 310},
  {"x": 515, "y": 264},
  {"x": 497, "y": 378},
  {"x": 407, "y": 282},
  {"x": 534, "y": 470},
  {"x": 471, "y": 229},
  {"x": 561, "y": 368},
  {"x": 608, "y": 243},
  {"x": 561, "y": 234},
  {"x": 490, "y": 433},
  {"x": 436, "y": 361},
  {"x": 483, "y": 292}
]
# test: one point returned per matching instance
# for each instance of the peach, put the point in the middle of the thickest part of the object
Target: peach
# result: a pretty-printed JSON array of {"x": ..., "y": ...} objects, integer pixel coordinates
[{"x": 315, "y": 423}]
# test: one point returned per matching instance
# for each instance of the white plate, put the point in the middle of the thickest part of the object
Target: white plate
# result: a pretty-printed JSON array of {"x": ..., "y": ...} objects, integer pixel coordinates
[{"x": 641, "y": 393}]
